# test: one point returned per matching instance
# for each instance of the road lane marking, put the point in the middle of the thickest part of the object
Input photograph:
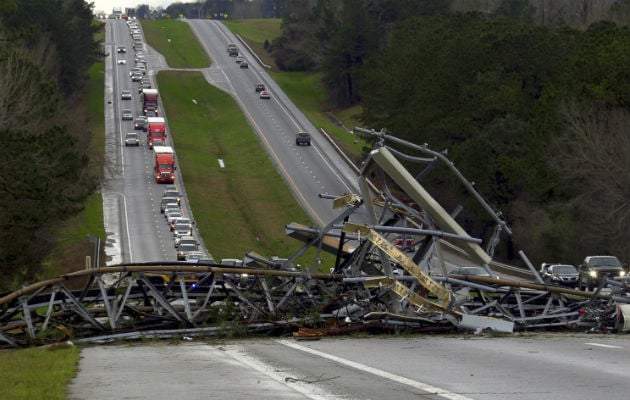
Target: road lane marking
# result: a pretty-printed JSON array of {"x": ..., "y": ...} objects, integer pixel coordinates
[
  {"x": 310, "y": 391},
  {"x": 607, "y": 346},
  {"x": 383, "y": 374}
]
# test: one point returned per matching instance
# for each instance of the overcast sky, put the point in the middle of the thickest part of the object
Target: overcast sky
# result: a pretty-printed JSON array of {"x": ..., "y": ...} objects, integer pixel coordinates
[{"x": 108, "y": 5}]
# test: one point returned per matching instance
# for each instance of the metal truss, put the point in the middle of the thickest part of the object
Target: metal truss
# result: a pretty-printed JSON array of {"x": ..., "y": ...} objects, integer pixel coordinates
[{"x": 390, "y": 273}]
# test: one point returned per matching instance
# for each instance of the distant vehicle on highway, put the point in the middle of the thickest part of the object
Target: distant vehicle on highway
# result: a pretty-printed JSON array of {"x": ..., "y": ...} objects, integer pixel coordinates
[
  {"x": 127, "y": 115},
  {"x": 122, "y": 61},
  {"x": 131, "y": 139},
  {"x": 184, "y": 249},
  {"x": 140, "y": 123},
  {"x": 244, "y": 65},
  {"x": 260, "y": 87},
  {"x": 265, "y": 95},
  {"x": 125, "y": 95},
  {"x": 165, "y": 201},
  {"x": 121, "y": 49},
  {"x": 303, "y": 138}
]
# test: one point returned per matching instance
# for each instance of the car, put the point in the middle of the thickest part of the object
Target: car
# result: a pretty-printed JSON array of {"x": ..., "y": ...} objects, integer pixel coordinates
[
  {"x": 173, "y": 193},
  {"x": 140, "y": 123},
  {"x": 244, "y": 64},
  {"x": 239, "y": 59},
  {"x": 136, "y": 77},
  {"x": 165, "y": 201},
  {"x": 135, "y": 71},
  {"x": 471, "y": 271},
  {"x": 170, "y": 186},
  {"x": 231, "y": 47},
  {"x": 157, "y": 143},
  {"x": 121, "y": 49},
  {"x": 265, "y": 95},
  {"x": 182, "y": 229},
  {"x": 260, "y": 87},
  {"x": 595, "y": 269},
  {"x": 195, "y": 257},
  {"x": 144, "y": 85},
  {"x": 172, "y": 217},
  {"x": 184, "y": 249},
  {"x": 185, "y": 239},
  {"x": 121, "y": 61},
  {"x": 302, "y": 138},
  {"x": 171, "y": 207},
  {"x": 131, "y": 139},
  {"x": 125, "y": 95},
  {"x": 127, "y": 115},
  {"x": 184, "y": 220},
  {"x": 559, "y": 274}
]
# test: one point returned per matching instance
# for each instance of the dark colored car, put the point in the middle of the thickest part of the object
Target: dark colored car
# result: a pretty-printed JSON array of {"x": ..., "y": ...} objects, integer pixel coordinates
[
  {"x": 303, "y": 139},
  {"x": 559, "y": 274},
  {"x": 244, "y": 64},
  {"x": 594, "y": 269},
  {"x": 140, "y": 123},
  {"x": 260, "y": 87}
]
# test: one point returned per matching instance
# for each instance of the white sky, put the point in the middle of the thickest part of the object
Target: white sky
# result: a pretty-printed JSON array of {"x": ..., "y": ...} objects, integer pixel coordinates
[{"x": 108, "y": 5}]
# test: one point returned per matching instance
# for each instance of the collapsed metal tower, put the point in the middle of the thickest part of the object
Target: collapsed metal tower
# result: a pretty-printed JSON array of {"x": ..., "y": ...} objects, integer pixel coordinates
[{"x": 390, "y": 273}]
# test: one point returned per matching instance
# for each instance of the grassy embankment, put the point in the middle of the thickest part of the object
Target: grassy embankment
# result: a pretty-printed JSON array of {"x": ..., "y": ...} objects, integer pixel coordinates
[{"x": 37, "y": 373}]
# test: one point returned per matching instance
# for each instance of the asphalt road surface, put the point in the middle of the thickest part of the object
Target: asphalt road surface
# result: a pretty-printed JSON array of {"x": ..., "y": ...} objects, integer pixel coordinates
[{"x": 518, "y": 367}]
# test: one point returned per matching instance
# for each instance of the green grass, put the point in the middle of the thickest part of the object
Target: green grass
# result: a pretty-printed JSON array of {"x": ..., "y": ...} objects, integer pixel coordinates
[
  {"x": 244, "y": 206},
  {"x": 37, "y": 373},
  {"x": 177, "y": 43}
]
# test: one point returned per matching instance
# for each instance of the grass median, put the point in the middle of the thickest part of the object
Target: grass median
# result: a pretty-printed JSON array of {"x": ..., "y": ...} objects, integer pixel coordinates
[{"x": 239, "y": 201}]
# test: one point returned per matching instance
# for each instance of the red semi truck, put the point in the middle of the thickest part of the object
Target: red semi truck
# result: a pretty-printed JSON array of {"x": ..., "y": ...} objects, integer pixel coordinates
[
  {"x": 164, "y": 168},
  {"x": 156, "y": 130},
  {"x": 149, "y": 100}
]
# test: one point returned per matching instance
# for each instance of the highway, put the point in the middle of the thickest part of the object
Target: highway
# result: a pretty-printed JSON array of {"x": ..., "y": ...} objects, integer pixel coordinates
[
  {"x": 136, "y": 230},
  {"x": 458, "y": 367},
  {"x": 308, "y": 170},
  {"x": 542, "y": 366}
]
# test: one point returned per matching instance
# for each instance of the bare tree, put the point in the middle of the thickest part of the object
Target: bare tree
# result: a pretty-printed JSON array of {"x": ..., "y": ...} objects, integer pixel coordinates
[{"x": 594, "y": 156}]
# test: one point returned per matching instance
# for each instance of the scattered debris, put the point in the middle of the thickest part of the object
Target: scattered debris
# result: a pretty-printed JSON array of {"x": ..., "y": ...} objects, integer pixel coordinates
[{"x": 378, "y": 283}]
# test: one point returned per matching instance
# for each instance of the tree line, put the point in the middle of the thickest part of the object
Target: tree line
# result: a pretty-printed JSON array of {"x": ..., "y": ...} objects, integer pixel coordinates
[
  {"x": 537, "y": 116},
  {"x": 47, "y": 48}
]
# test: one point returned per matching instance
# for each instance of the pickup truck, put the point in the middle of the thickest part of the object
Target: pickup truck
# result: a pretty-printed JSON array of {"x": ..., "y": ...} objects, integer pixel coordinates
[{"x": 594, "y": 269}]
